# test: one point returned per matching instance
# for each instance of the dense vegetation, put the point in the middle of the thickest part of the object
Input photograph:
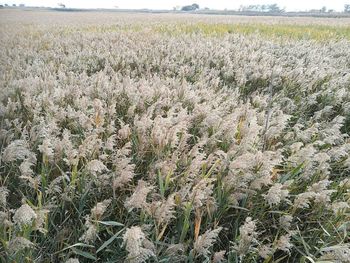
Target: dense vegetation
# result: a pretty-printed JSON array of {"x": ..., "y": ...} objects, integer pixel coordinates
[{"x": 123, "y": 142}]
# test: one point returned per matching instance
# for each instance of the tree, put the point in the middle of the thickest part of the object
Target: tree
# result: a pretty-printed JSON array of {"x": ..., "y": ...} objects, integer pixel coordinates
[
  {"x": 323, "y": 9},
  {"x": 347, "y": 8},
  {"x": 274, "y": 8},
  {"x": 61, "y": 5},
  {"x": 192, "y": 7},
  {"x": 195, "y": 6}
]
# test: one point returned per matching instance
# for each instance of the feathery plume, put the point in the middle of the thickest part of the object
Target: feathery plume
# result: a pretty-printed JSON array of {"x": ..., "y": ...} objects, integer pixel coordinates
[{"x": 205, "y": 241}]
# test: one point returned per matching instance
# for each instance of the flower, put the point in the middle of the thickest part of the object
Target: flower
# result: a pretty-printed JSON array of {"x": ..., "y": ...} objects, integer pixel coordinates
[
  {"x": 285, "y": 221},
  {"x": 247, "y": 236},
  {"x": 339, "y": 207},
  {"x": 276, "y": 194},
  {"x": 138, "y": 198},
  {"x": 205, "y": 241},
  {"x": 219, "y": 256},
  {"x": 283, "y": 243},
  {"x": 96, "y": 166},
  {"x": 24, "y": 215},
  {"x": 46, "y": 148},
  {"x": 90, "y": 234},
  {"x": 134, "y": 243},
  {"x": 3, "y": 195},
  {"x": 265, "y": 251},
  {"x": 19, "y": 243},
  {"x": 98, "y": 210},
  {"x": 164, "y": 211},
  {"x": 17, "y": 150}
]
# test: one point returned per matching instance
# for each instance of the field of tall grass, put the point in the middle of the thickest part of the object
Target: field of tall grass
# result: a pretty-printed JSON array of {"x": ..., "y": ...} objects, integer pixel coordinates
[{"x": 173, "y": 138}]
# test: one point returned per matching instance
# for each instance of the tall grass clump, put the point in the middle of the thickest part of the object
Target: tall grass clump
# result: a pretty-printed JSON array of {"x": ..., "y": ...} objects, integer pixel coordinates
[{"x": 139, "y": 146}]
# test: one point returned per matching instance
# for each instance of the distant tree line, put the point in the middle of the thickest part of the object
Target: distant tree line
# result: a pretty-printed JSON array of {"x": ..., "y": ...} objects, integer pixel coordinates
[
  {"x": 272, "y": 8},
  {"x": 13, "y": 5},
  {"x": 268, "y": 8}
]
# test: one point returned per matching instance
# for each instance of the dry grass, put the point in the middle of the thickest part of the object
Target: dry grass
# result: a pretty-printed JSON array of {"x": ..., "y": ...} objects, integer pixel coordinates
[{"x": 173, "y": 138}]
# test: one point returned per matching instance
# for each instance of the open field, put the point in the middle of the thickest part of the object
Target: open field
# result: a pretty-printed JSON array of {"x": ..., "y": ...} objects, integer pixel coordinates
[
  {"x": 323, "y": 29},
  {"x": 174, "y": 138}
]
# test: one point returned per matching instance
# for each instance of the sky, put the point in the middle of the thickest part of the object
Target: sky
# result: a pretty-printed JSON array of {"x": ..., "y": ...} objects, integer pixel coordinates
[{"x": 294, "y": 5}]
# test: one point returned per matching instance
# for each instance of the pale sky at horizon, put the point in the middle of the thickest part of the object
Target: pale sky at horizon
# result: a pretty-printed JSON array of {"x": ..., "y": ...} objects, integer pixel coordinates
[{"x": 299, "y": 5}]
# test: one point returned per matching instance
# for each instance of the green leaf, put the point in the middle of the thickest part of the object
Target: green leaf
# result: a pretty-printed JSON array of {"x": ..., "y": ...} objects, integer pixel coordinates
[
  {"x": 161, "y": 184},
  {"x": 280, "y": 259},
  {"x": 292, "y": 174},
  {"x": 110, "y": 223},
  {"x": 167, "y": 181},
  {"x": 186, "y": 222},
  {"x": 72, "y": 246},
  {"x": 109, "y": 241},
  {"x": 84, "y": 254},
  {"x": 310, "y": 259}
]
